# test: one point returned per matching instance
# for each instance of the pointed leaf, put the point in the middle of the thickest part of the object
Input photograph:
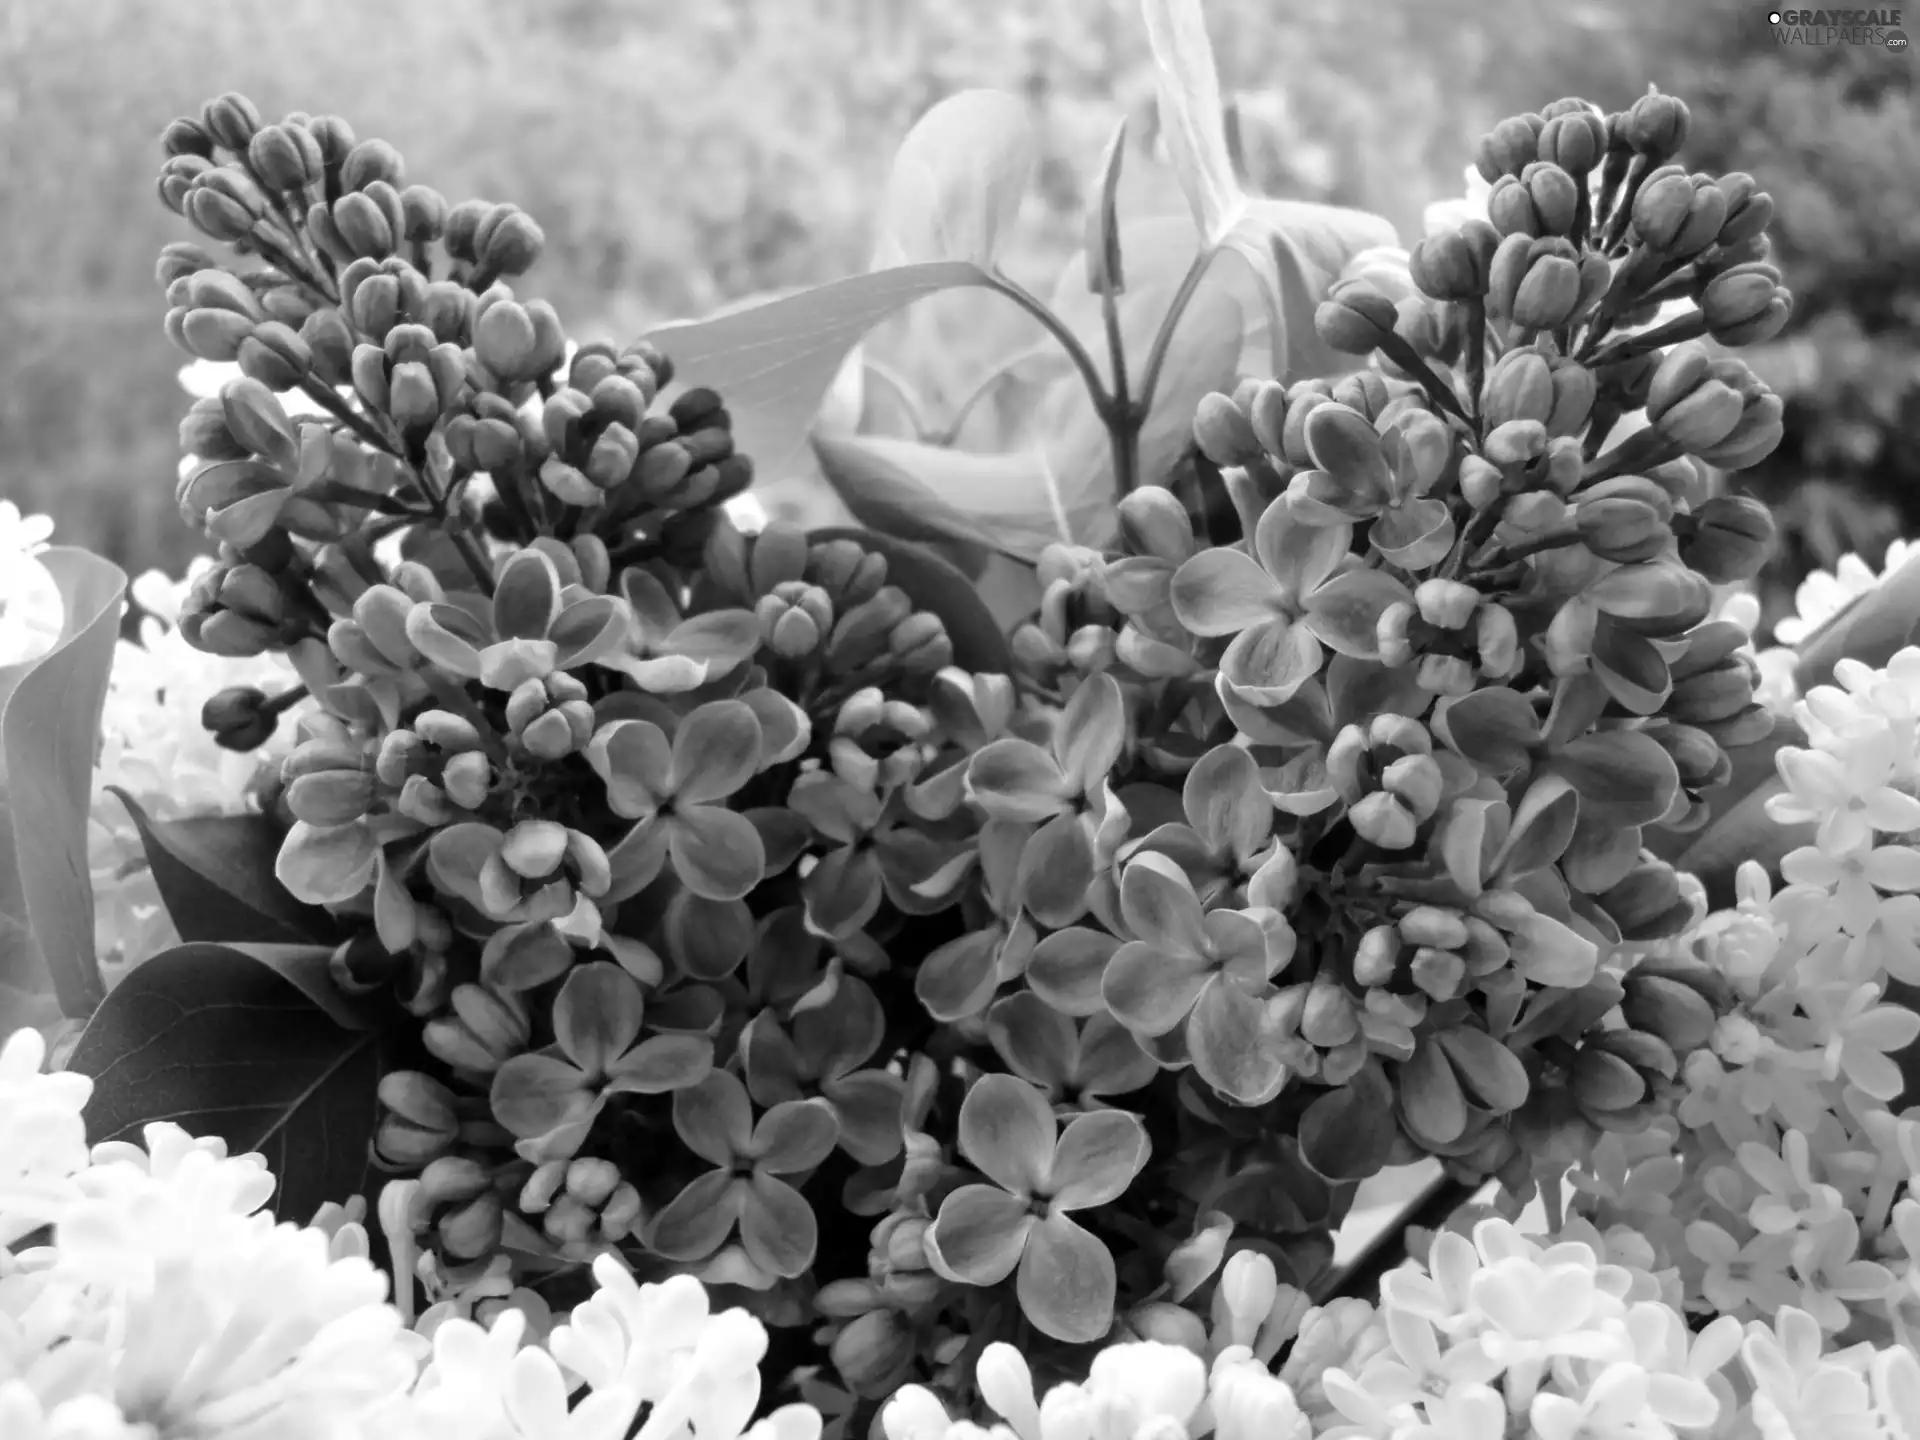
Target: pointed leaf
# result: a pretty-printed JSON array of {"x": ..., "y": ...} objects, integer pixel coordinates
[
  {"x": 49, "y": 727},
  {"x": 957, "y": 183},
  {"x": 776, "y": 362},
  {"x": 1191, "y": 116},
  {"x": 215, "y": 876},
  {"x": 291, "y": 1083}
]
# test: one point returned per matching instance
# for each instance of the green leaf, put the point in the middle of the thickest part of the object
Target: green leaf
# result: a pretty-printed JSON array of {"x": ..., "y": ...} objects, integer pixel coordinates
[
  {"x": 957, "y": 182},
  {"x": 1191, "y": 116},
  {"x": 215, "y": 875},
  {"x": 1296, "y": 249},
  {"x": 225, "y": 1044},
  {"x": 48, "y": 732},
  {"x": 1010, "y": 503},
  {"x": 1869, "y": 630},
  {"x": 776, "y": 362},
  {"x": 937, "y": 586}
]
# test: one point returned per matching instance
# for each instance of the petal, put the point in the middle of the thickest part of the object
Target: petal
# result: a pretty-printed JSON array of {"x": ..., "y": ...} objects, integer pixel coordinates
[
  {"x": 1066, "y": 967},
  {"x": 697, "y": 1221},
  {"x": 838, "y": 809},
  {"x": 526, "y": 597},
  {"x": 326, "y": 865},
  {"x": 587, "y": 630},
  {"x": 660, "y": 1065},
  {"x": 869, "y": 1105},
  {"x": 1038, "y": 1043},
  {"x": 1056, "y": 870},
  {"x": 1007, "y": 1131},
  {"x": 715, "y": 1118},
  {"x": 716, "y": 750},
  {"x": 1098, "y": 1156},
  {"x": 794, "y": 1136},
  {"x": 1158, "y": 903},
  {"x": 1495, "y": 727},
  {"x": 1297, "y": 554},
  {"x": 1414, "y": 535},
  {"x": 1016, "y": 780},
  {"x": 979, "y": 1234},
  {"x": 959, "y": 978},
  {"x": 720, "y": 639},
  {"x": 1111, "y": 1060},
  {"x": 634, "y": 759},
  {"x": 843, "y": 1033},
  {"x": 596, "y": 1015},
  {"x": 1150, "y": 991},
  {"x": 532, "y": 1094},
  {"x": 636, "y": 859},
  {"x": 716, "y": 853},
  {"x": 1093, "y": 729},
  {"x": 777, "y": 1227},
  {"x": 447, "y": 636},
  {"x": 1225, "y": 803},
  {"x": 1345, "y": 612},
  {"x": 843, "y": 891},
  {"x": 1269, "y": 663},
  {"x": 1234, "y": 1038},
  {"x": 508, "y": 664},
  {"x": 1343, "y": 442},
  {"x": 1067, "y": 1283},
  {"x": 1222, "y": 592}
]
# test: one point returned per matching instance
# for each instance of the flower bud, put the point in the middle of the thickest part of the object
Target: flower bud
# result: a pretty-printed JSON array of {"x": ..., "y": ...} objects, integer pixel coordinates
[
  {"x": 1510, "y": 147},
  {"x": 1746, "y": 305},
  {"x": 1377, "y": 956},
  {"x": 1454, "y": 265},
  {"x": 533, "y": 848},
  {"x": 1731, "y": 539},
  {"x": 1447, "y": 604},
  {"x": 239, "y": 718},
  {"x": 1329, "y": 1017},
  {"x": 1355, "y": 319},
  {"x": 1749, "y": 210},
  {"x": 231, "y": 121},
  {"x": 186, "y": 137},
  {"x": 1223, "y": 433},
  {"x": 1516, "y": 443},
  {"x": 285, "y": 157},
  {"x": 1753, "y": 438},
  {"x": 1480, "y": 481},
  {"x": 1438, "y": 974},
  {"x": 1576, "y": 141},
  {"x": 1383, "y": 819},
  {"x": 1446, "y": 675},
  {"x": 1519, "y": 387},
  {"x": 369, "y": 161},
  {"x": 1656, "y": 126},
  {"x": 1392, "y": 634},
  {"x": 872, "y": 1351},
  {"x": 466, "y": 778}
]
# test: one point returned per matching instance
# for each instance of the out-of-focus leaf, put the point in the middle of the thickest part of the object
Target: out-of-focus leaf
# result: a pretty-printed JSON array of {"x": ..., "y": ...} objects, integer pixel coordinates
[
  {"x": 935, "y": 585},
  {"x": 49, "y": 725},
  {"x": 1869, "y": 630},
  {"x": 227, "y": 1045},
  {"x": 1191, "y": 115},
  {"x": 775, "y": 363},
  {"x": 957, "y": 182},
  {"x": 1011, "y": 503},
  {"x": 1297, "y": 249}
]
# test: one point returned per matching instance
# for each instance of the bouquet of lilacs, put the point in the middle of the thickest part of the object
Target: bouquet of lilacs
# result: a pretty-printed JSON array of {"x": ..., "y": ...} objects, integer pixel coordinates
[{"x": 722, "y": 959}]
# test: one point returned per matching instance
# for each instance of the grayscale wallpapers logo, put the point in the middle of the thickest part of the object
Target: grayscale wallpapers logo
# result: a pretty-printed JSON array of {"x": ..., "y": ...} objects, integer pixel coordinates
[{"x": 1838, "y": 27}]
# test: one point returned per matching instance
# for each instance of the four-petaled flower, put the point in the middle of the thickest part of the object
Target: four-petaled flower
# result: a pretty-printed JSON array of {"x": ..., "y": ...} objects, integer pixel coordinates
[
  {"x": 1365, "y": 474},
  {"x": 1208, "y": 969},
  {"x": 676, "y": 789},
  {"x": 550, "y": 1098},
  {"x": 538, "y": 625},
  {"x": 1298, "y": 590},
  {"x": 821, "y": 1050},
  {"x": 714, "y": 1120},
  {"x": 667, "y": 653},
  {"x": 1022, "y": 1220}
]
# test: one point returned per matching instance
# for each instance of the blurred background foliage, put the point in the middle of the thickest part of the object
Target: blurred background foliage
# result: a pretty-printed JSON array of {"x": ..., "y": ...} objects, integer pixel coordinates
[{"x": 684, "y": 156}]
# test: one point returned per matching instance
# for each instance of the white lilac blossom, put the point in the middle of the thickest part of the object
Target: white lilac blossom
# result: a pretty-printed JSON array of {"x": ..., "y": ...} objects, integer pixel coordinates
[{"x": 30, "y": 607}]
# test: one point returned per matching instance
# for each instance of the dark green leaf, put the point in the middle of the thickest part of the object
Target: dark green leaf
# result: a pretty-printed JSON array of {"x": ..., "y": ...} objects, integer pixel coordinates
[
  {"x": 215, "y": 874},
  {"x": 935, "y": 585},
  {"x": 224, "y": 1044},
  {"x": 958, "y": 180},
  {"x": 49, "y": 728}
]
